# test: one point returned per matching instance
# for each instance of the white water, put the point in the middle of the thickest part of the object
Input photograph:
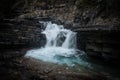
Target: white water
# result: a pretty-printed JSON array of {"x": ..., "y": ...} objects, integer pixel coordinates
[
  {"x": 60, "y": 46},
  {"x": 56, "y": 36}
]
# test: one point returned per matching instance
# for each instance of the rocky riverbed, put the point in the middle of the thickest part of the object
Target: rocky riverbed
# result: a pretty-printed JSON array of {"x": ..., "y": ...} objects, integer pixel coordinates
[{"x": 31, "y": 69}]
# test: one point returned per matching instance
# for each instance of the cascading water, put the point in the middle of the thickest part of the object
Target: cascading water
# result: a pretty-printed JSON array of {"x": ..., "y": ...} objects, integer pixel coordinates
[
  {"x": 57, "y": 36},
  {"x": 60, "y": 46}
]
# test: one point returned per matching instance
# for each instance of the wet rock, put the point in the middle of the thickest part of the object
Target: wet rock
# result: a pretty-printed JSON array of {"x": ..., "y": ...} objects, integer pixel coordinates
[{"x": 102, "y": 46}]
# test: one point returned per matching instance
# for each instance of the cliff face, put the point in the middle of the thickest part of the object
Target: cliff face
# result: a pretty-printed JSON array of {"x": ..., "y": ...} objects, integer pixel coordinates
[
  {"x": 97, "y": 12},
  {"x": 61, "y": 11},
  {"x": 76, "y": 12}
]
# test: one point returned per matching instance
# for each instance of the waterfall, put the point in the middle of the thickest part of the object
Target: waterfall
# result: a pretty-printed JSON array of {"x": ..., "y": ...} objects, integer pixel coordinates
[
  {"x": 60, "y": 46},
  {"x": 57, "y": 36}
]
